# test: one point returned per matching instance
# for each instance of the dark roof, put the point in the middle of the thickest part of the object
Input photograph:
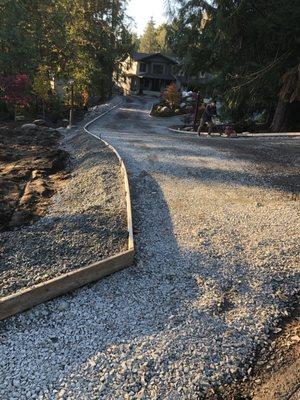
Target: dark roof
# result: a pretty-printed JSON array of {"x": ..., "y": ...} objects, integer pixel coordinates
[
  {"x": 139, "y": 56},
  {"x": 143, "y": 56}
]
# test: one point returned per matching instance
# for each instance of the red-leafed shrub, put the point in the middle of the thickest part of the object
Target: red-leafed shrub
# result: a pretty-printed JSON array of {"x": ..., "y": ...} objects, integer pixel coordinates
[{"x": 15, "y": 90}]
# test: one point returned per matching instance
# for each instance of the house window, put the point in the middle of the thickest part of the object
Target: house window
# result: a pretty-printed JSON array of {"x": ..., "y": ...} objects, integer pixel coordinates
[
  {"x": 158, "y": 69},
  {"x": 143, "y": 67}
]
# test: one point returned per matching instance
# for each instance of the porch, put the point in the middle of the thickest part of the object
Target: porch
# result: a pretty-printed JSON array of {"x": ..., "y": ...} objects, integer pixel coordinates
[{"x": 152, "y": 84}]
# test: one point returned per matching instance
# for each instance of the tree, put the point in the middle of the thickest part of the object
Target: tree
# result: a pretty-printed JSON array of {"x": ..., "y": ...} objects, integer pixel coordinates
[
  {"x": 172, "y": 96},
  {"x": 149, "y": 43},
  {"x": 136, "y": 41},
  {"x": 80, "y": 40},
  {"x": 162, "y": 35},
  {"x": 41, "y": 86},
  {"x": 15, "y": 91},
  {"x": 289, "y": 96},
  {"x": 249, "y": 45}
]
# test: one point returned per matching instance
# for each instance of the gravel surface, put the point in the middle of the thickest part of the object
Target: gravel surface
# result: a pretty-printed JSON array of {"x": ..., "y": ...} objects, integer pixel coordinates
[
  {"x": 86, "y": 222},
  {"x": 216, "y": 266}
]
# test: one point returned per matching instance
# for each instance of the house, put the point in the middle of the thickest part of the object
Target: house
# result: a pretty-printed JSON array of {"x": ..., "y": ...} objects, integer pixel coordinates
[{"x": 146, "y": 72}]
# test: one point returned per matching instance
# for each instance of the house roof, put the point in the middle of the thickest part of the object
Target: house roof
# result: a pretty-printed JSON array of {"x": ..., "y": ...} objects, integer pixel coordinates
[
  {"x": 144, "y": 56},
  {"x": 139, "y": 56}
]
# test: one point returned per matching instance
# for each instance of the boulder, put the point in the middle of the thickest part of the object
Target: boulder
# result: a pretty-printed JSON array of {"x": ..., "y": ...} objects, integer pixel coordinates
[
  {"x": 39, "y": 122},
  {"x": 20, "y": 117},
  {"x": 29, "y": 127},
  {"x": 182, "y": 105}
]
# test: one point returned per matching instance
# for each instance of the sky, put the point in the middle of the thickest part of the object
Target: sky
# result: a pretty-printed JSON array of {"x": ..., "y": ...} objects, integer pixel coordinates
[{"x": 142, "y": 10}]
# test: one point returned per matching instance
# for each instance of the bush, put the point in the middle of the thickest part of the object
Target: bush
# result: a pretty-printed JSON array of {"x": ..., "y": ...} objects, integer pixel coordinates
[{"x": 172, "y": 96}]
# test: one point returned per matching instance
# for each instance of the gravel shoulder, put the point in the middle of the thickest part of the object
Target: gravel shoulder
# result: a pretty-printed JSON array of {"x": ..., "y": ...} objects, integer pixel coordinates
[
  {"x": 217, "y": 240},
  {"x": 86, "y": 221}
]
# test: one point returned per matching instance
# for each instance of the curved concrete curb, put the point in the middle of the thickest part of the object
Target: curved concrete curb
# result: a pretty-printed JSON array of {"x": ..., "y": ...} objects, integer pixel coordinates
[
  {"x": 180, "y": 131},
  {"x": 36, "y": 294},
  {"x": 271, "y": 135}
]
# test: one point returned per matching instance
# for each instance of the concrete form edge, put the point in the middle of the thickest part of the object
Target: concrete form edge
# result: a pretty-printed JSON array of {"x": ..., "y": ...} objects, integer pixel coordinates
[
  {"x": 37, "y": 294},
  {"x": 271, "y": 135}
]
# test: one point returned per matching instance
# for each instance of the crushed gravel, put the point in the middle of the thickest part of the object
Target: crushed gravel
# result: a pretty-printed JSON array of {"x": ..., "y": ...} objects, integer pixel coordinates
[
  {"x": 86, "y": 222},
  {"x": 216, "y": 267}
]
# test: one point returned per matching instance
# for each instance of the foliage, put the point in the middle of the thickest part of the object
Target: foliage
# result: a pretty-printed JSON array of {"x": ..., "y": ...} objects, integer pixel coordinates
[
  {"x": 15, "y": 90},
  {"x": 172, "y": 96},
  {"x": 249, "y": 46},
  {"x": 155, "y": 40},
  {"x": 148, "y": 41},
  {"x": 162, "y": 34},
  {"x": 82, "y": 40},
  {"x": 136, "y": 41},
  {"x": 41, "y": 83}
]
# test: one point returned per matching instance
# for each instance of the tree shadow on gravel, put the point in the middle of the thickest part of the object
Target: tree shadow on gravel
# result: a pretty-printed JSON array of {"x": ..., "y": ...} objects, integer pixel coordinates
[{"x": 276, "y": 159}]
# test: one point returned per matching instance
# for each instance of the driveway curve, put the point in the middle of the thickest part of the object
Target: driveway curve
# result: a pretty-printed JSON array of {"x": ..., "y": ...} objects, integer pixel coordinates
[{"x": 217, "y": 231}]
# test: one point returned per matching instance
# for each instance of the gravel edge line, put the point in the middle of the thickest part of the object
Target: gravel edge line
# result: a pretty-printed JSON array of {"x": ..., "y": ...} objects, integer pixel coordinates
[
  {"x": 271, "y": 135},
  {"x": 37, "y": 294}
]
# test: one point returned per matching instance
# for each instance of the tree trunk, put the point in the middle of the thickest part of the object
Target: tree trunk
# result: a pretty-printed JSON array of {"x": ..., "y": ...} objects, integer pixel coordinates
[
  {"x": 279, "y": 123},
  {"x": 44, "y": 112}
]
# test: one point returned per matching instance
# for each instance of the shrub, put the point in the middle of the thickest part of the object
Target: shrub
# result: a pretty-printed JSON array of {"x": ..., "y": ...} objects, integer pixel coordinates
[{"x": 171, "y": 96}]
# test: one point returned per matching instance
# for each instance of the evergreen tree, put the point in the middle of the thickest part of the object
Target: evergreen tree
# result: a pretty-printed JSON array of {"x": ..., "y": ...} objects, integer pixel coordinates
[
  {"x": 162, "y": 34},
  {"x": 251, "y": 46},
  {"x": 149, "y": 43}
]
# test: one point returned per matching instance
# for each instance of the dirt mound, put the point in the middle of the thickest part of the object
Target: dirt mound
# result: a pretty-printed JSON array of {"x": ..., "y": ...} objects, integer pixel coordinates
[{"x": 31, "y": 168}]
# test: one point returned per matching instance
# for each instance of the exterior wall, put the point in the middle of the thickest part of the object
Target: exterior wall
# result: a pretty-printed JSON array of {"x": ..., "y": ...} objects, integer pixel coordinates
[
  {"x": 129, "y": 66},
  {"x": 167, "y": 66},
  {"x": 123, "y": 81},
  {"x": 124, "y": 84},
  {"x": 131, "y": 81},
  {"x": 58, "y": 86}
]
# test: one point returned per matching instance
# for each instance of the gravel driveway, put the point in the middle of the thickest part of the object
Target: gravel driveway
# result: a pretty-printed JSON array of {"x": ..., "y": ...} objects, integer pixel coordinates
[{"x": 217, "y": 236}]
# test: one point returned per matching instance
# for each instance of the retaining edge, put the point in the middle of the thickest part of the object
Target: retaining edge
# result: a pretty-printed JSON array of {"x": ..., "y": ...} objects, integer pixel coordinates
[
  {"x": 241, "y": 135},
  {"x": 37, "y": 294}
]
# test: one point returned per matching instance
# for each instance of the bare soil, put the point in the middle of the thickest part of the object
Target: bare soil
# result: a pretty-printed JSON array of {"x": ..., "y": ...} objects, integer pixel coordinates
[
  {"x": 31, "y": 171},
  {"x": 276, "y": 373}
]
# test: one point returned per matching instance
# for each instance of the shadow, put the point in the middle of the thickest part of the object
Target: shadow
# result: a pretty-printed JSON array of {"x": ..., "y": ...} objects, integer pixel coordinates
[
  {"x": 277, "y": 158},
  {"x": 56, "y": 245}
]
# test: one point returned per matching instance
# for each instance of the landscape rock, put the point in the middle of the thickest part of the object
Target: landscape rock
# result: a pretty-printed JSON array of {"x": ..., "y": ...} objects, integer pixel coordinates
[
  {"x": 40, "y": 122},
  {"x": 29, "y": 127}
]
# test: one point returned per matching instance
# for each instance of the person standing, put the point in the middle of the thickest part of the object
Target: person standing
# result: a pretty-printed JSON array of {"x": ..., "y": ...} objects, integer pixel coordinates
[{"x": 209, "y": 112}]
